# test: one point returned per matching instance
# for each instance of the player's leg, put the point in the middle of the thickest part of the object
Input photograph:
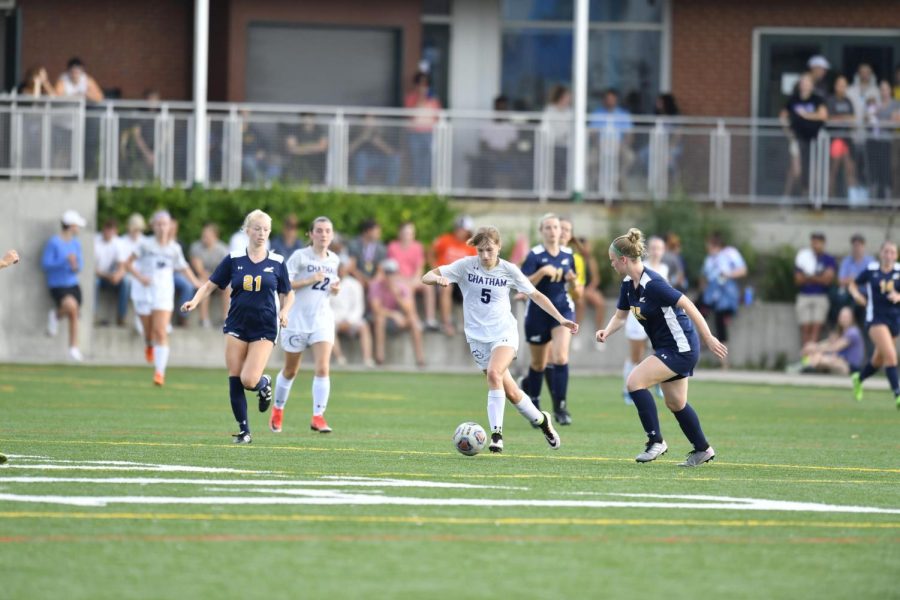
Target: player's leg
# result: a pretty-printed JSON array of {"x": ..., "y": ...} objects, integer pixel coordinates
[
  {"x": 235, "y": 355},
  {"x": 637, "y": 340},
  {"x": 647, "y": 374},
  {"x": 531, "y": 413},
  {"x": 676, "y": 400},
  {"x": 559, "y": 381},
  {"x": 379, "y": 327},
  {"x": 365, "y": 342},
  {"x": 159, "y": 326},
  {"x": 885, "y": 344},
  {"x": 532, "y": 382},
  {"x": 321, "y": 385},
  {"x": 68, "y": 308},
  {"x": 871, "y": 367},
  {"x": 445, "y": 302},
  {"x": 252, "y": 377},
  {"x": 283, "y": 382}
]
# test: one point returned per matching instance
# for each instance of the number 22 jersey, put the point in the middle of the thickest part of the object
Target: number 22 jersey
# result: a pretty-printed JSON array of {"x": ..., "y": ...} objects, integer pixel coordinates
[{"x": 312, "y": 309}]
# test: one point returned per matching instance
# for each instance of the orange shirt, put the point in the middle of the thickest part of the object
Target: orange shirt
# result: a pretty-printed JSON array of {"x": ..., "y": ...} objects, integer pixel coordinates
[{"x": 448, "y": 249}]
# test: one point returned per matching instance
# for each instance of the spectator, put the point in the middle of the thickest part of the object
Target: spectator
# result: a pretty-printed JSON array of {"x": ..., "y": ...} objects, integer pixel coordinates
[
  {"x": 842, "y": 352},
  {"x": 371, "y": 153},
  {"x": 129, "y": 242},
  {"x": 391, "y": 303},
  {"x": 818, "y": 68},
  {"x": 289, "y": 241},
  {"x": 419, "y": 137},
  {"x": 814, "y": 273},
  {"x": 722, "y": 267},
  {"x": 852, "y": 265},
  {"x": 410, "y": 256},
  {"x": 878, "y": 142},
  {"x": 33, "y": 86},
  {"x": 184, "y": 289},
  {"x": 612, "y": 119},
  {"x": 205, "y": 255},
  {"x": 447, "y": 249},
  {"x": 306, "y": 148},
  {"x": 558, "y": 117},
  {"x": 665, "y": 107},
  {"x": 863, "y": 90},
  {"x": 497, "y": 140},
  {"x": 110, "y": 254},
  {"x": 842, "y": 118},
  {"x": 675, "y": 262},
  {"x": 366, "y": 252},
  {"x": 75, "y": 82},
  {"x": 62, "y": 261},
  {"x": 36, "y": 83},
  {"x": 588, "y": 278},
  {"x": 260, "y": 164},
  {"x": 803, "y": 115},
  {"x": 349, "y": 308},
  {"x": 136, "y": 141},
  {"x": 897, "y": 83}
]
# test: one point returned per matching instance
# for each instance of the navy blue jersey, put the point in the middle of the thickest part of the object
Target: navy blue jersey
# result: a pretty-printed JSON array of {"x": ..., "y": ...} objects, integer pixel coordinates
[
  {"x": 878, "y": 285},
  {"x": 254, "y": 292},
  {"x": 653, "y": 305},
  {"x": 553, "y": 287}
]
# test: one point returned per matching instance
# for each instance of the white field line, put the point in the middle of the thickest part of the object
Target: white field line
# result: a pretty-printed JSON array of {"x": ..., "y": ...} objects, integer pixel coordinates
[{"x": 325, "y": 482}]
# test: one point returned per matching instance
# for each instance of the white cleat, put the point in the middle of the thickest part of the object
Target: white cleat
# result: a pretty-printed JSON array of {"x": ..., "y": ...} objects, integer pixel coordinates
[
  {"x": 696, "y": 458},
  {"x": 549, "y": 432},
  {"x": 653, "y": 451}
]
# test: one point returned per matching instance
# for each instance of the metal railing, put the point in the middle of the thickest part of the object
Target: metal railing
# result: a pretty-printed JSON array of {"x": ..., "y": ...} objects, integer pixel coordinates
[{"x": 459, "y": 153}]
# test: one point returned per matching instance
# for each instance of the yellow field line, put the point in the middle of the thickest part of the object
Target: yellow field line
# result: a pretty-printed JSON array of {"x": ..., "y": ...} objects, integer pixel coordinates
[{"x": 419, "y": 520}]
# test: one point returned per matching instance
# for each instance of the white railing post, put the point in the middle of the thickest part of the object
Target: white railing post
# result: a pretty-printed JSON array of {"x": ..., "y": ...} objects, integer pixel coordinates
[
  {"x": 78, "y": 136},
  {"x": 112, "y": 171},
  {"x": 441, "y": 149},
  {"x": 234, "y": 143},
  {"x": 46, "y": 141},
  {"x": 657, "y": 171},
  {"x": 337, "y": 172},
  {"x": 16, "y": 129}
]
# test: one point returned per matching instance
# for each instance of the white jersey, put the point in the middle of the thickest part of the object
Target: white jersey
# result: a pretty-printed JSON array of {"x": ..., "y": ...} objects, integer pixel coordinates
[
  {"x": 159, "y": 261},
  {"x": 486, "y": 309},
  {"x": 311, "y": 308}
]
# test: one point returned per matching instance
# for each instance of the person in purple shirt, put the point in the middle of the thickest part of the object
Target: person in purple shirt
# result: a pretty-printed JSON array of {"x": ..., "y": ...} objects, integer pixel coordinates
[
  {"x": 814, "y": 273},
  {"x": 62, "y": 261},
  {"x": 842, "y": 353}
]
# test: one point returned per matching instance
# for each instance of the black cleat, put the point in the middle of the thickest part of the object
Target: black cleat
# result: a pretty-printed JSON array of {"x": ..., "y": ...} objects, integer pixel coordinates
[
  {"x": 560, "y": 413},
  {"x": 496, "y": 445},
  {"x": 265, "y": 394},
  {"x": 242, "y": 438},
  {"x": 549, "y": 432}
]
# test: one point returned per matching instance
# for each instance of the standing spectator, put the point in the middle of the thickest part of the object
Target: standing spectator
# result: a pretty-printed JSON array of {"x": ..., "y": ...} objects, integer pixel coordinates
[
  {"x": 612, "y": 117},
  {"x": 137, "y": 141},
  {"x": 410, "y": 256},
  {"x": 497, "y": 140},
  {"x": 62, "y": 261},
  {"x": 722, "y": 267},
  {"x": 205, "y": 255},
  {"x": 306, "y": 149},
  {"x": 842, "y": 118},
  {"x": 289, "y": 241},
  {"x": 419, "y": 138},
  {"x": 802, "y": 117},
  {"x": 818, "y": 68},
  {"x": 666, "y": 107},
  {"x": 851, "y": 266},
  {"x": 863, "y": 90},
  {"x": 129, "y": 242},
  {"x": 391, "y": 302},
  {"x": 445, "y": 250},
  {"x": 110, "y": 255},
  {"x": 184, "y": 289},
  {"x": 814, "y": 273},
  {"x": 349, "y": 317},
  {"x": 372, "y": 153},
  {"x": 75, "y": 82},
  {"x": 673, "y": 259},
  {"x": 878, "y": 142},
  {"x": 36, "y": 83},
  {"x": 366, "y": 252},
  {"x": 558, "y": 117}
]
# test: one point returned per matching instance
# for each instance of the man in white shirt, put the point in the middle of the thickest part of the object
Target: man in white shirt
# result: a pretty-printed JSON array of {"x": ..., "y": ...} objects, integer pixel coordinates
[{"x": 109, "y": 260}]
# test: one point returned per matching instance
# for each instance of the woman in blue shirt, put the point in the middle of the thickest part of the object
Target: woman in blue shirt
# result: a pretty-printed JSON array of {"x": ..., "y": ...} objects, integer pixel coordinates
[{"x": 671, "y": 321}]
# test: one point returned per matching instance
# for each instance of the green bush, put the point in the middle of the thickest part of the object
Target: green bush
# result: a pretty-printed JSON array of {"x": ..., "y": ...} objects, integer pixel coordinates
[
  {"x": 195, "y": 206},
  {"x": 774, "y": 275}
]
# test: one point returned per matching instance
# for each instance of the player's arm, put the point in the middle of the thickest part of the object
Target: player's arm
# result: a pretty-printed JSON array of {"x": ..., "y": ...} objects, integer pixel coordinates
[
  {"x": 616, "y": 322},
  {"x": 203, "y": 292},
  {"x": 853, "y": 289},
  {"x": 10, "y": 258},
  {"x": 717, "y": 347},
  {"x": 544, "y": 302},
  {"x": 434, "y": 277},
  {"x": 307, "y": 281},
  {"x": 576, "y": 288},
  {"x": 287, "y": 301},
  {"x": 129, "y": 266}
]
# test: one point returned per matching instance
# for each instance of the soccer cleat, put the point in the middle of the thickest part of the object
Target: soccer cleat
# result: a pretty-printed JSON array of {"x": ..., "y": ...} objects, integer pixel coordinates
[
  {"x": 148, "y": 354},
  {"x": 52, "y": 323},
  {"x": 496, "y": 445},
  {"x": 318, "y": 424},
  {"x": 75, "y": 354},
  {"x": 265, "y": 394},
  {"x": 242, "y": 438},
  {"x": 159, "y": 379},
  {"x": 275, "y": 420},
  {"x": 560, "y": 413},
  {"x": 897, "y": 400},
  {"x": 2, "y": 458},
  {"x": 652, "y": 451},
  {"x": 695, "y": 458},
  {"x": 857, "y": 387},
  {"x": 627, "y": 398},
  {"x": 549, "y": 432}
]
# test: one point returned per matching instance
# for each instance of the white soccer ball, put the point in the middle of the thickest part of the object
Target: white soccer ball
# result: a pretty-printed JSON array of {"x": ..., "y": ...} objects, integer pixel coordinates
[{"x": 469, "y": 438}]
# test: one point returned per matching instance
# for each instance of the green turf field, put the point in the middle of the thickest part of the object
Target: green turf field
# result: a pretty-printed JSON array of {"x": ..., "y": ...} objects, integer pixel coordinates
[{"x": 116, "y": 489}]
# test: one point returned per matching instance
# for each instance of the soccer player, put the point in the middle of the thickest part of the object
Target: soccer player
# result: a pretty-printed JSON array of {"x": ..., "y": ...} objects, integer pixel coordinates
[
  {"x": 153, "y": 264},
  {"x": 261, "y": 299},
  {"x": 551, "y": 268},
  {"x": 313, "y": 271},
  {"x": 881, "y": 280},
  {"x": 10, "y": 258},
  {"x": 671, "y": 321},
  {"x": 491, "y": 328}
]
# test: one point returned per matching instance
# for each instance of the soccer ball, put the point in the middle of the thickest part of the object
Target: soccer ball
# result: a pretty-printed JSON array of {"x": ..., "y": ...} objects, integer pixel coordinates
[{"x": 469, "y": 438}]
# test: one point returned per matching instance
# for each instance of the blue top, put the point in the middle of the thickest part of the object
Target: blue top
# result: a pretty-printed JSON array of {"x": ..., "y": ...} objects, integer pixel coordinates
[
  {"x": 553, "y": 287},
  {"x": 254, "y": 287},
  {"x": 279, "y": 247},
  {"x": 653, "y": 305},
  {"x": 855, "y": 350},
  {"x": 55, "y": 262},
  {"x": 851, "y": 268},
  {"x": 619, "y": 118},
  {"x": 878, "y": 285},
  {"x": 823, "y": 263}
]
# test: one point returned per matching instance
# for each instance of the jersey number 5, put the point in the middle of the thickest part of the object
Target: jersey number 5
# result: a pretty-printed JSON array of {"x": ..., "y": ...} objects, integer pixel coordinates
[
  {"x": 486, "y": 295},
  {"x": 249, "y": 280}
]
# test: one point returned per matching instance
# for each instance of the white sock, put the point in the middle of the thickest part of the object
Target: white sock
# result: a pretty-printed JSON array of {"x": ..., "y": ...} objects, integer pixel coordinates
[
  {"x": 282, "y": 390},
  {"x": 160, "y": 358},
  {"x": 528, "y": 410},
  {"x": 321, "y": 387},
  {"x": 626, "y": 371},
  {"x": 495, "y": 406}
]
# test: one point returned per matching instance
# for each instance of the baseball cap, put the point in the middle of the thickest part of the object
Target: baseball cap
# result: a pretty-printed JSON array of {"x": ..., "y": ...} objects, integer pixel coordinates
[
  {"x": 465, "y": 222},
  {"x": 71, "y": 217},
  {"x": 389, "y": 265},
  {"x": 818, "y": 61}
]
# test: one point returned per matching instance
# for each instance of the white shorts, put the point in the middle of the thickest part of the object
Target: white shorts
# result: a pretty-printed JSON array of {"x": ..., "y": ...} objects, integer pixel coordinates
[
  {"x": 481, "y": 351},
  {"x": 298, "y": 341},
  {"x": 146, "y": 299},
  {"x": 634, "y": 330}
]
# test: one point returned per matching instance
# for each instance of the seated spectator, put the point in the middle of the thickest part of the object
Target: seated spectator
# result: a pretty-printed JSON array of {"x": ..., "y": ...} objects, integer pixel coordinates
[
  {"x": 410, "y": 255},
  {"x": 306, "y": 150},
  {"x": 110, "y": 255},
  {"x": 349, "y": 308},
  {"x": 497, "y": 140},
  {"x": 366, "y": 251},
  {"x": 36, "y": 83},
  {"x": 205, "y": 255},
  {"x": 259, "y": 163},
  {"x": 446, "y": 249},
  {"x": 374, "y": 156},
  {"x": 184, "y": 289},
  {"x": 722, "y": 267},
  {"x": 391, "y": 304},
  {"x": 289, "y": 241},
  {"x": 842, "y": 353},
  {"x": 129, "y": 241},
  {"x": 814, "y": 273},
  {"x": 75, "y": 83},
  {"x": 62, "y": 261}
]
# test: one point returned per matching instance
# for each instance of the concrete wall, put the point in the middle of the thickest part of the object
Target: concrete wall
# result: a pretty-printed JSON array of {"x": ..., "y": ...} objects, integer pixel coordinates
[{"x": 31, "y": 214}]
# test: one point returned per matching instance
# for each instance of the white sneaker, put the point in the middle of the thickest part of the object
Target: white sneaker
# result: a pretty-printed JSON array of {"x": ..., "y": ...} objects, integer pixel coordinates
[
  {"x": 696, "y": 458},
  {"x": 75, "y": 354},
  {"x": 52, "y": 323},
  {"x": 653, "y": 451}
]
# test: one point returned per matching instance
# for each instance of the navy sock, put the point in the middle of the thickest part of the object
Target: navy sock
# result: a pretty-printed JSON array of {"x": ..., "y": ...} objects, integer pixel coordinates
[
  {"x": 550, "y": 377},
  {"x": 238, "y": 403},
  {"x": 560, "y": 383},
  {"x": 891, "y": 373},
  {"x": 646, "y": 407},
  {"x": 690, "y": 425},
  {"x": 867, "y": 371},
  {"x": 533, "y": 382}
]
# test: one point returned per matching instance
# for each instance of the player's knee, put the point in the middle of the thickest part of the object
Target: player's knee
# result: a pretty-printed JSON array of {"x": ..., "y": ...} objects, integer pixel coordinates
[
  {"x": 634, "y": 383},
  {"x": 289, "y": 372},
  {"x": 494, "y": 377},
  {"x": 249, "y": 380}
]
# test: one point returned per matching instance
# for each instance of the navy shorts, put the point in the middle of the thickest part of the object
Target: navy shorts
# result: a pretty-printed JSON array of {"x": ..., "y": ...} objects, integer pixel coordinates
[
  {"x": 253, "y": 333},
  {"x": 892, "y": 324},
  {"x": 682, "y": 363},
  {"x": 539, "y": 325},
  {"x": 58, "y": 293}
]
